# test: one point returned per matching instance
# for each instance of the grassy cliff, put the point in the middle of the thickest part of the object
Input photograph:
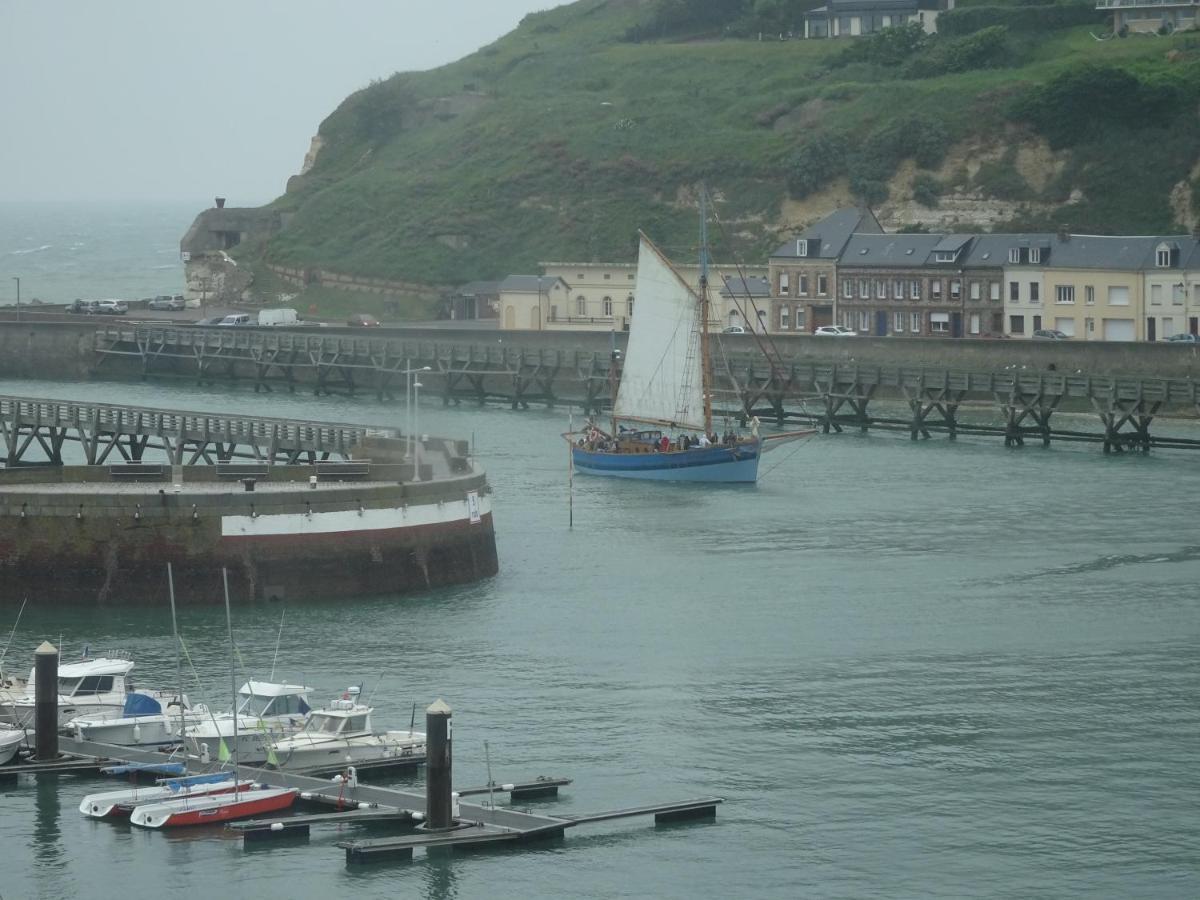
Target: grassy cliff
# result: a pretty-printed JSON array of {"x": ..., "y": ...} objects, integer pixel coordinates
[{"x": 562, "y": 138}]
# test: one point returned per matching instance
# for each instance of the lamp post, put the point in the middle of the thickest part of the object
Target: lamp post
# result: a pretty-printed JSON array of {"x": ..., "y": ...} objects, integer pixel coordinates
[
  {"x": 18, "y": 281},
  {"x": 410, "y": 425},
  {"x": 416, "y": 412}
]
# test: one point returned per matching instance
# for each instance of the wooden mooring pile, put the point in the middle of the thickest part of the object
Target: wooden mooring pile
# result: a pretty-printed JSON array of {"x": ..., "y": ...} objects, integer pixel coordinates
[{"x": 834, "y": 396}]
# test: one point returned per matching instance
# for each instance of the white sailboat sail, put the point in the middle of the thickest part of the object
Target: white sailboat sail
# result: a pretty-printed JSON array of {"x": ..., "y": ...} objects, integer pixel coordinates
[{"x": 661, "y": 380}]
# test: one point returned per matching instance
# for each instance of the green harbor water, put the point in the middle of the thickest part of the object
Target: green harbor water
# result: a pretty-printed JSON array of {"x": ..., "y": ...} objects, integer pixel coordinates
[{"x": 912, "y": 669}]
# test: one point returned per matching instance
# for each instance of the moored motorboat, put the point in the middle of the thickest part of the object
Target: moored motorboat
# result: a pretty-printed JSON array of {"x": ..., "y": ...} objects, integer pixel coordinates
[
  {"x": 90, "y": 687},
  {"x": 267, "y": 711},
  {"x": 120, "y": 804},
  {"x": 10, "y": 742},
  {"x": 246, "y": 801},
  {"x": 342, "y": 733},
  {"x": 148, "y": 719}
]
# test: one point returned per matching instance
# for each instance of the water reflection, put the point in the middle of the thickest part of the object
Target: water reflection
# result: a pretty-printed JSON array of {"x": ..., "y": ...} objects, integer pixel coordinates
[{"x": 47, "y": 835}]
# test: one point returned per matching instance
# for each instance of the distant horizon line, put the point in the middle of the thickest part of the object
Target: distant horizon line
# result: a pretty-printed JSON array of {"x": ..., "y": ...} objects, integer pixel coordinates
[{"x": 199, "y": 202}]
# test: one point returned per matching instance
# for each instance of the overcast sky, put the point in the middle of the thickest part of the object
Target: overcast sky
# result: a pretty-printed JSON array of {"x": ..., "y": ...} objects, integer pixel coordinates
[{"x": 161, "y": 99}]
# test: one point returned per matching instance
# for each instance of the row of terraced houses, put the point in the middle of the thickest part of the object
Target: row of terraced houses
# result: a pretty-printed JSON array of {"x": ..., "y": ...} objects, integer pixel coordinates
[{"x": 846, "y": 270}]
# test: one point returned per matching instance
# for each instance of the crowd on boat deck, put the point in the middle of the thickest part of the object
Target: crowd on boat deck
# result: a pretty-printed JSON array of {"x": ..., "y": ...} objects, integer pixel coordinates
[{"x": 596, "y": 441}]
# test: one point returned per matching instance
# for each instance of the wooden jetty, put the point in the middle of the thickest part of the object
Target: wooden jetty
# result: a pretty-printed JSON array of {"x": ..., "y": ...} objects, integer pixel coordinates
[{"x": 783, "y": 388}]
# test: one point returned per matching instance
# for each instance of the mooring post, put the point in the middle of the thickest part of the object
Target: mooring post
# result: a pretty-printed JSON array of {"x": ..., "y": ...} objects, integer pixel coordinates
[
  {"x": 438, "y": 751},
  {"x": 45, "y": 701}
]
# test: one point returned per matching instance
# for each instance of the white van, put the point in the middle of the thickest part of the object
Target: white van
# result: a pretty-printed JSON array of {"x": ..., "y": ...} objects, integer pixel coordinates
[
  {"x": 235, "y": 319},
  {"x": 281, "y": 316}
]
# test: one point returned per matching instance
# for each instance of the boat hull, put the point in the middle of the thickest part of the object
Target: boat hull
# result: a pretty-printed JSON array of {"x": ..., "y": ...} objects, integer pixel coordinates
[
  {"x": 121, "y": 804},
  {"x": 10, "y": 743},
  {"x": 213, "y": 810},
  {"x": 139, "y": 731},
  {"x": 720, "y": 464},
  {"x": 297, "y": 753}
]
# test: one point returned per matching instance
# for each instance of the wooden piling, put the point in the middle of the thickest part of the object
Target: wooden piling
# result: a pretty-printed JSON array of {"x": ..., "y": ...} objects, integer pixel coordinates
[
  {"x": 439, "y": 811},
  {"x": 45, "y": 701}
]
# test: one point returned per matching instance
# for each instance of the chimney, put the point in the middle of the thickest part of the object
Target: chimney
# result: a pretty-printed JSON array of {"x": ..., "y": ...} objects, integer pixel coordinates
[
  {"x": 220, "y": 203},
  {"x": 1064, "y": 234}
]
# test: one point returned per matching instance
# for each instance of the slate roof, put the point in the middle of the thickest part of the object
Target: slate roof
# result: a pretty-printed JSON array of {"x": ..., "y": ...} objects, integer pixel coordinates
[
  {"x": 1093, "y": 251},
  {"x": 952, "y": 243},
  {"x": 753, "y": 286},
  {"x": 833, "y": 231},
  {"x": 889, "y": 250},
  {"x": 530, "y": 284}
]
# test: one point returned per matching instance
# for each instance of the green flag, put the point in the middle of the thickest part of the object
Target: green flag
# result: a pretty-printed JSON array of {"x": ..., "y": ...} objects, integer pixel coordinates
[
  {"x": 223, "y": 752},
  {"x": 272, "y": 759}
]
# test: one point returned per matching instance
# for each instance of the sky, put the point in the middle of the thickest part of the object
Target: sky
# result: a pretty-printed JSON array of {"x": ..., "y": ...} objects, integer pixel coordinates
[{"x": 108, "y": 100}]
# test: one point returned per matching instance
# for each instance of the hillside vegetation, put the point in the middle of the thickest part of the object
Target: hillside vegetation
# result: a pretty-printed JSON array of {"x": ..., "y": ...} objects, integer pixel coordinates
[{"x": 595, "y": 119}]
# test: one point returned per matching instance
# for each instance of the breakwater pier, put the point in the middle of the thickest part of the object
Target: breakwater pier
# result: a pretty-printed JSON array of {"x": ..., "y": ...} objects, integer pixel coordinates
[{"x": 294, "y": 509}]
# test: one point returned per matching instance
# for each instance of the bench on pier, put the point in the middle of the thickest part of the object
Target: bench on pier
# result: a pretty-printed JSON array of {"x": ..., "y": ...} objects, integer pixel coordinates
[
  {"x": 338, "y": 469},
  {"x": 132, "y": 471},
  {"x": 242, "y": 470}
]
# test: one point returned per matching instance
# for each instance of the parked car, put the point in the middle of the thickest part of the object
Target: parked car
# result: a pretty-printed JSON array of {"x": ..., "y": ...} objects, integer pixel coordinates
[
  {"x": 284, "y": 315},
  {"x": 164, "y": 301},
  {"x": 111, "y": 307},
  {"x": 1183, "y": 339},
  {"x": 734, "y": 329},
  {"x": 363, "y": 320},
  {"x": 84, "y": 307},
  {"x": 1049, "y": 334},
  {"x": 235, "y": 319},
  {"x": 835, "y": 331}
]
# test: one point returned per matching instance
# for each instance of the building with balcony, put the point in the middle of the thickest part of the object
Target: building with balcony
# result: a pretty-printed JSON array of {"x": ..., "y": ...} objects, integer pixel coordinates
[
  {"x": 1151, "y": 15},
  {"x": 852, "y": 18}
]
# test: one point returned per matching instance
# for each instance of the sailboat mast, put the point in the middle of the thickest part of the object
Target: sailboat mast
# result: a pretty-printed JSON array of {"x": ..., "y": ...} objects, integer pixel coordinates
[
  {"x": 178, "y": 654},
  {"x": 232, "y": 680},
  {"x": 705, "y": 363}
]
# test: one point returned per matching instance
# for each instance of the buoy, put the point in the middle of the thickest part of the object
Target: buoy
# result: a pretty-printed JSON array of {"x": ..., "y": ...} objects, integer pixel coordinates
[{"x": 277, "y": 826}]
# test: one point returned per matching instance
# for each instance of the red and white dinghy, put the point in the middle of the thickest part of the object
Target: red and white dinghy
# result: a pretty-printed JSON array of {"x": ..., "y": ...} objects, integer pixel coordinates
[
  {"x": 248, "y": 800},
  {"x": 119, "y": 804}
]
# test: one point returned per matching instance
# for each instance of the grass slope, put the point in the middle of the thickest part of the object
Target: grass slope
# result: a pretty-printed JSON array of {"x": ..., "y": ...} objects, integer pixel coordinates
[{"x": 560, "y": 140}]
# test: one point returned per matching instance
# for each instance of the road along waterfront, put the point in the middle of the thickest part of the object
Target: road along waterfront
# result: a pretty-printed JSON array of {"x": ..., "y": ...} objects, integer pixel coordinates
[{"x": 913, "y": 670}]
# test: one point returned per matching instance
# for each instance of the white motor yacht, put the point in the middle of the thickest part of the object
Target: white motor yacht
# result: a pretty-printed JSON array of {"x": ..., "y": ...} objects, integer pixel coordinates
[
  {"x": 267, "y": 711},
  {"x": 10, "y": 742},
  {"x": 90, "y": 687},
  {"x": 342, "y": 733},
  {"x": 148, "y": 719}
]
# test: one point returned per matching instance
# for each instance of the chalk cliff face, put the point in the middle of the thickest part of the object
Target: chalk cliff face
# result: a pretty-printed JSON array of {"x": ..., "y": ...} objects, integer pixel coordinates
[{"x": 560, "y": 140}]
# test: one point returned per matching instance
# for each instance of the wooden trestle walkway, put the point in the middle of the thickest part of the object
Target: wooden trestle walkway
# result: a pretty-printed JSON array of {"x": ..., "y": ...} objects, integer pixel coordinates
[
  {"x": 186, "y": 437},
  {"x": 832, "y": 396}
]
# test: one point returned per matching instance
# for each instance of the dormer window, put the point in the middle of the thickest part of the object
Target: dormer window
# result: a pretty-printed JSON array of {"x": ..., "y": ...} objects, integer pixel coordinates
[
  {"x": 1162, "y": 256},
  {"x": 1035, "y": 254},
  {"x": 946, "y": 256},
  {"x": 802, "y": 247},
  {"x": 1014, "y": 254}
]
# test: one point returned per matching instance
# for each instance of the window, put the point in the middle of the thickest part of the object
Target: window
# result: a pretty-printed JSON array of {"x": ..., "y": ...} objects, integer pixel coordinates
[
  {"x": 1014, "y": 292},
  {"x": 1064, "y": 293},
  {"x": 994, "y": 291},
  {"x": 783, "y": 284},
  {"x": 1177, "y": 294},
  {"x": 864, "y": 321},
  {"x": 939, "y": 323},
  {"x": 799, "y": 318},
  {"x": 946, "y": 256},
  {"x": 1118, "y": 296},
  {"x": 864, "y": 288},
  {"x": 629, "y": 305},
  {"x": 881, "y": 289},
  {"x": 1016, "y": 324},
  {"x": 94, "y": 684},
  {"x": 974, "y": 324},
  {"x": 976, "y": 290},
  {"x": 1156, "y": 294},
  {"x": 802, "y": 285},
  {"x": 1035, "y": 292},
  {"x": 1037, "y": 323},
  {"x": 1089, "y": 295},
  {"x": 629, "y": 277},
  {"x": 955, "y": 289},
  {"x": 915, "y": 289},
  {"x": 898, "y": 322},
  {"x": 1014, "y": 254},
  {"x": 802, "y": 248},
  {"x": 935, "y": 290},
  {"x": 847, "y": 289},
  {"x": 553, "y": 312},
  {"x": 914, "y": 323},
  {"x": 1162, "y": 258},
  {"x": 784, "y": 312},
  {"x": 607, "y": 276},
  {"x": 898, "y": 288},
  {"x": 1035, "y": 254},
  {"x": 581, "y": 306},
  {"x": 822, "y": 285},
  {"x": 1089, "y": 324},
  {"x": 608, "y": 306}
]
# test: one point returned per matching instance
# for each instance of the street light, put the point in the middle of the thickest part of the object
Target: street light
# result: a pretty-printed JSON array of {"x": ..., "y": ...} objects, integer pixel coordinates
[
  {"x": 416, "y": 412},
  {"x": 18, "y": 281},
  {"x": 410, "y": 420}
]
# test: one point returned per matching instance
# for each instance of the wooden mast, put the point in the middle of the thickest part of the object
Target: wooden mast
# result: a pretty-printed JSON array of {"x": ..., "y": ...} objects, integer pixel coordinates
[{"x": 705, "y": 364}]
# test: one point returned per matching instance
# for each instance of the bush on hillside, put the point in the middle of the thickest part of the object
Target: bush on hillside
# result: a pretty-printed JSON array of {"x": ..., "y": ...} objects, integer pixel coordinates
[
  {"x": 1087, "y": 101},
  {"x": 378, "y": 111},
  {"x": 888, "y": 47},
  {"x": 926, "y": 189},
  {"x": 970, "y": 19},
  {"x": 986, "y": 49},
  {"x": 815, "y": 163}
]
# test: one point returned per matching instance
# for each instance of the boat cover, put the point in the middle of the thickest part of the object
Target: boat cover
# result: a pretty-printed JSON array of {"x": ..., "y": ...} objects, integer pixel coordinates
[
  {"x": 176, "y": 784},
  {"x": 166, "y": 768},
  {"x": 140, "y": 705}
]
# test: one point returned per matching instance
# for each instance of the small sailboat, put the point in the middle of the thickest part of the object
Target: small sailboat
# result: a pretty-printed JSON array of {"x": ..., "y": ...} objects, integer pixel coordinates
[
  {"x": 342, "y": 733},
  {"x": 120, "y": 804},
  {"x": 662, "y": 421}
]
